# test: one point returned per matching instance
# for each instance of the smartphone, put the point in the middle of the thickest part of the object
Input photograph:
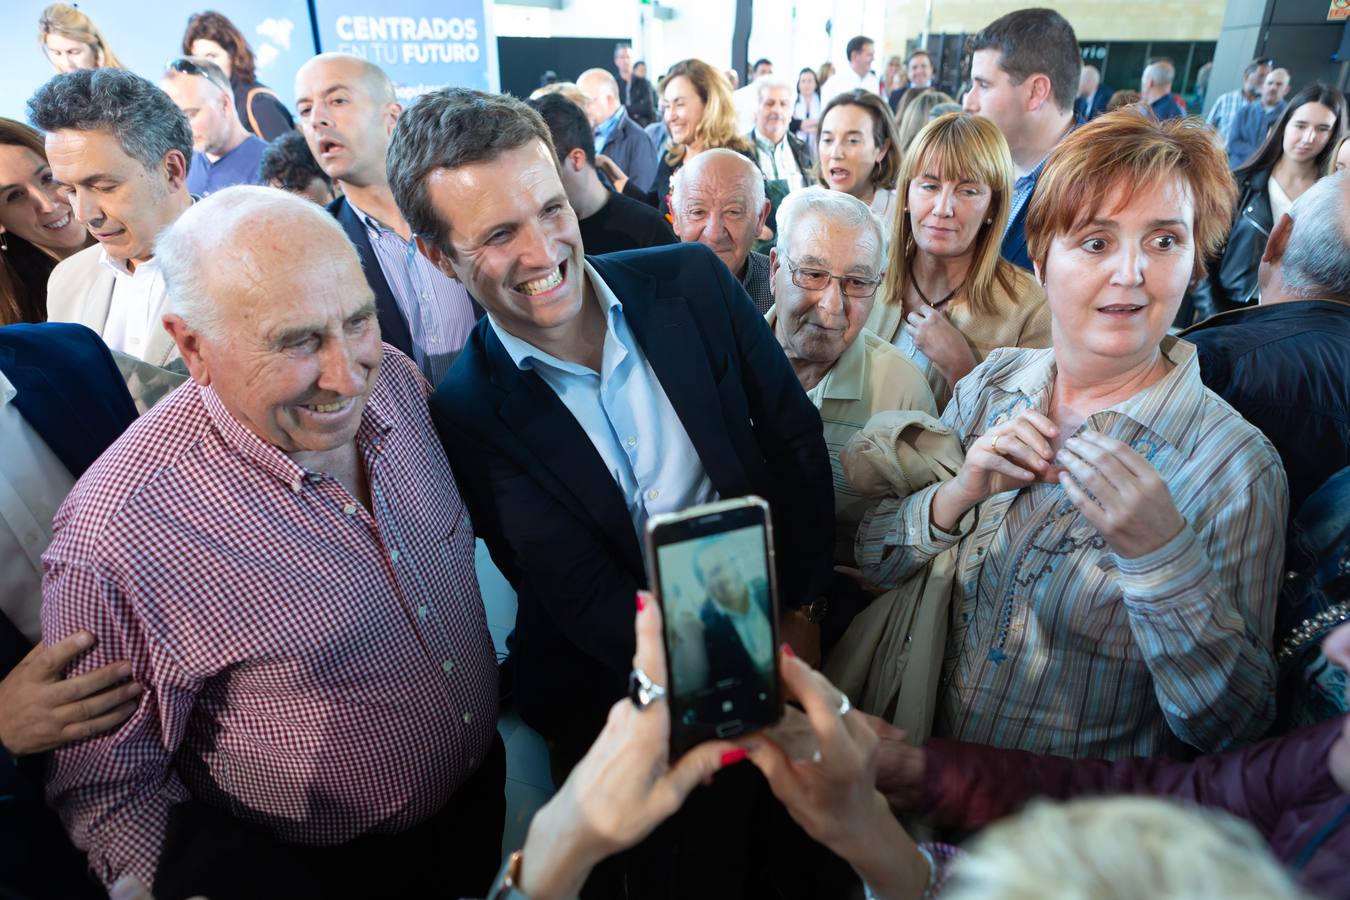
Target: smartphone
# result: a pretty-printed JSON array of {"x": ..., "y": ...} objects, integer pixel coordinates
[{"x": 712, "y": 571}]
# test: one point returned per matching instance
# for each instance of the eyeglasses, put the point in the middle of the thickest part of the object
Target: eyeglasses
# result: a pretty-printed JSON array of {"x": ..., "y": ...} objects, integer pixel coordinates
[
  {"x": 188, "y": 67},
  {"x": 818, "y": 280}
]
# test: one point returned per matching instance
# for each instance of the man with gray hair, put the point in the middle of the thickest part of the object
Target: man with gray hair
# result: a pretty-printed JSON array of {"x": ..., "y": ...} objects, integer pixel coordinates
[
  {"x": 718, "y": 200},
  {"x": 1092, "y": 94},
  {"x": 1282, "y": 364},
  {"x": 1155, "y": 90},
  {"x": 617, "y": 136},
  {"x": 121, "y": 148},
  {"x": 782, "y": 155},
  {"x": 825, "y": 270},
  {"x": 280, "y": 551}
]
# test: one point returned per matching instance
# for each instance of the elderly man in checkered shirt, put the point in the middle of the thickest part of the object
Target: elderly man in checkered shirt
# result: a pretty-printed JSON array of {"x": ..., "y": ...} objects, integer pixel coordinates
[{"x": 280, "y": 551}]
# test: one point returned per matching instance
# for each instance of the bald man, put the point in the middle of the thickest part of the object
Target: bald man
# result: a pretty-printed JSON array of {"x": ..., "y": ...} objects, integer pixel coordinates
[
  {"x": 617, "y": 136},
  {"x": 347, "y": 109},
  {"x": 718, "y": 200},
  {"x": 280, "y": 551}
]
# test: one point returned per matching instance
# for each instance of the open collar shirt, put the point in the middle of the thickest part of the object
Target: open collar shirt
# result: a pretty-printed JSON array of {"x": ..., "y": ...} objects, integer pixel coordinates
[
  {"x": 436, "y": 307},
  {"x": 625, "y": 413},
  {"x": 139, "y": 300},
  {"x": 311, "y": 665},
  {"x": 1058, "y": 645}
]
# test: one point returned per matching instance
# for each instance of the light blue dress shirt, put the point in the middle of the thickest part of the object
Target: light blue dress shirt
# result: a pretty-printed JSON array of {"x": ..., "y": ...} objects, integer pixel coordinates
[
  {"x": 606, "y": 128},
  {"x": 626, "y": 414}
]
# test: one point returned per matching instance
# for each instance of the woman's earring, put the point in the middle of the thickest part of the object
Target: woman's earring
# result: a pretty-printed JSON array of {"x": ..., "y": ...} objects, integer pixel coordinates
[
  {"x": 989, "y": 221},
  {"x": 4, "y": 244}
]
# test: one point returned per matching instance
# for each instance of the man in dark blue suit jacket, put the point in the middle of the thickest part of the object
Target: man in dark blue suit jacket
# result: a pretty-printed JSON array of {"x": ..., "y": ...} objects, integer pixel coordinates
[
  {"x": 580, "y": 365},
  {"x": 69, "y": 392}
]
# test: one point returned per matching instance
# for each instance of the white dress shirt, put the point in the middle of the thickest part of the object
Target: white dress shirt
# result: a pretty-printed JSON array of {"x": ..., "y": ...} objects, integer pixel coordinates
[
  {"x": 33, "y": 484},
  {"x": 139, "y": 301},
  {"x": 845, "y": 79}
]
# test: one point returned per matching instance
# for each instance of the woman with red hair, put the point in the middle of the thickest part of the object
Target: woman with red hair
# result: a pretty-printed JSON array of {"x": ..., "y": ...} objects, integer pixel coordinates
[{"x": 212, "y": 36}]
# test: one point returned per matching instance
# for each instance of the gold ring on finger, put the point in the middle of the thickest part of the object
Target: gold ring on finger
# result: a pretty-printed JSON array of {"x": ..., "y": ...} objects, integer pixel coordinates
[{"x": 993, "y": 445}]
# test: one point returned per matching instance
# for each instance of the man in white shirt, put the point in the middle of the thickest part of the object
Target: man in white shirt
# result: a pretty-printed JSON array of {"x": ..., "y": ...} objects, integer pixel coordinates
[
  {"x": 781, "y": 156},
  {"x": 746, "y": 99},
  {"x": 861, "y": 51},
  {"x": 120, "y": 148}
]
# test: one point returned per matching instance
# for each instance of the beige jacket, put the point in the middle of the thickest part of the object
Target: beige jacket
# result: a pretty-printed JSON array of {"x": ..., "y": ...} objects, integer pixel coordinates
[
  {"x": 889, "y": 660},
  {"x": 80, "y": 290},
  {"x": 1021, "y": 318}
]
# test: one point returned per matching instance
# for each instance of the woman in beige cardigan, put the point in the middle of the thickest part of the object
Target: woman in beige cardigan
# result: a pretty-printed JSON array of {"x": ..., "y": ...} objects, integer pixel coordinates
[{"x": 949, "y": 298}]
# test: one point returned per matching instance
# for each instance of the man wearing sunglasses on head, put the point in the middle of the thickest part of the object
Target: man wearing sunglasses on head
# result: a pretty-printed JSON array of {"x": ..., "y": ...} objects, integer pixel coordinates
[{"x": 224, "y": 151}]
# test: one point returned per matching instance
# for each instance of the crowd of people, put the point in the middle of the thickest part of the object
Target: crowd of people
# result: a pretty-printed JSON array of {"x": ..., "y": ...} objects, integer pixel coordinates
[{"x": 1046, "y": 388}]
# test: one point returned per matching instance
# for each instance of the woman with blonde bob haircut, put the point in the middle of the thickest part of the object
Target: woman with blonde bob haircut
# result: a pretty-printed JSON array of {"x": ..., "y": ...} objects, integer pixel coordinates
[
  {"x": 949, "y": 298},
  {"x": 1116, "y": 526},
  {"x": 71, "y": 40}
]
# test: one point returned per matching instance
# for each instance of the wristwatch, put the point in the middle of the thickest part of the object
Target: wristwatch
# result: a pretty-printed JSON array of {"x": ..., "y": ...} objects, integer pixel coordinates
[
  {"x": 817, "y": 609},
  {"x": 504, "y": 887}
]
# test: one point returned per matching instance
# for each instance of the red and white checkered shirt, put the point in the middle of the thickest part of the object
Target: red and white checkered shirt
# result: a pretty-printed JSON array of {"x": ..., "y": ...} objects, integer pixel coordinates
[{"x": 310, "y": 665}]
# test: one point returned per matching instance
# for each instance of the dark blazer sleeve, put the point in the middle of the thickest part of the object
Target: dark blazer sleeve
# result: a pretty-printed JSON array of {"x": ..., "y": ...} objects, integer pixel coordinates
[{"x": 791, "y": 440}]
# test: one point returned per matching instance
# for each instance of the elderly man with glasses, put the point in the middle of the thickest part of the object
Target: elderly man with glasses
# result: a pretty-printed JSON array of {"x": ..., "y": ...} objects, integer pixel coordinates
[{"x": 824, "y": 273}]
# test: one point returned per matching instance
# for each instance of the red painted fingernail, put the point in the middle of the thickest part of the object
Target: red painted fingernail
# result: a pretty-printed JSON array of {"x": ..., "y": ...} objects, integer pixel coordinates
[
  {"x": 641, "y": 603},
  {"x": 731, "y": 757},
  {"x": 787, "y": 649}
]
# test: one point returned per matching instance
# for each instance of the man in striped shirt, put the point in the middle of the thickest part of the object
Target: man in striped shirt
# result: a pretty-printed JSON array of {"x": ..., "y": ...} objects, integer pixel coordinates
[
  {"x": 347, "y": 110},
  {"x": 280, "y": 551}
]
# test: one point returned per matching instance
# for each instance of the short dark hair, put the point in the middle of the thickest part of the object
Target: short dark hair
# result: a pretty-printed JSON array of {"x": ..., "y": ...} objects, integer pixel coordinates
[
  {"x": 567, "y": 124},
  {"x": 919, "y": 52},
  {"x": 446, "y": 129},
  {"x": 622, "y": 45},
  {"x": 288, "y": 162},
  {"x": 1036, "y": 42},
  {"x": 212, "y": 26},
  {"x": 142, "y": 117},
  {"x": 1256, "y": 64},
  {"x": 856, "y": 44},
  {"x": 761, "y": 62}
]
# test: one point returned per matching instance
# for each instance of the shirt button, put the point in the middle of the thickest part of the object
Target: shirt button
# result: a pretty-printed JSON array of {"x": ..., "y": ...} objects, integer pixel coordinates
[
  {"x": 979, "y": 551},
  {"x": 349, "y": 509},
  {"x": 448, "y": 665},
  {"x": 468, "y": 717},
  {"x": 393, "y": 555},
  {"x": 911, "y": 532},
  {"x": 632, "y": 441},
  {"x": 653, "y": 494},
  {"x": 423, "y": 612},
  {"x": 424, "y": 295}
]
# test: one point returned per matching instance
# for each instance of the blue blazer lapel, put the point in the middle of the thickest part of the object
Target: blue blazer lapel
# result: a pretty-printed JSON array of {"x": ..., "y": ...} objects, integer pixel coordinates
[
  {"x": 559, "y": 453},
  {"x": 665, "y": 328},
  {"x": 393, "y": 328}
]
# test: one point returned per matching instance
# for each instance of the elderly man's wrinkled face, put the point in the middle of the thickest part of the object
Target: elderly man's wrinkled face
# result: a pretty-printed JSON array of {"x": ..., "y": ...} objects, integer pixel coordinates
[
  {"x": 124, "y": 205},
  {"x": 516, "y": 242},
  {"x": 722, "y": 577},
  {"x": 817, "y": 325},
  {"x": 297, "y": 348},
  {"x": 716, "y": 208}
]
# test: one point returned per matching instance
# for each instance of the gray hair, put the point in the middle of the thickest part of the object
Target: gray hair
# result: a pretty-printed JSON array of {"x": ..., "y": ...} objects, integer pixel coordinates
[
  {"x": 749, "y": 172},
  {"x": 768, "y": 82},
  {"x": 1317, "y": 258},
  {"x": 1160, "y": 73},
  {"x": 187, "y": 249},
  {"x": 835, "y": 207},
  {"x": 144, "y": 120},
  {"x": 604, "y": 81},
  {"x": 446, "y": 129}
]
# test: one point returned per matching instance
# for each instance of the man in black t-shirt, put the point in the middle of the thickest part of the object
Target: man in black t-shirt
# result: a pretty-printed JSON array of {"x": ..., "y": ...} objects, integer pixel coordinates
[{"x": 609, "y": 221}]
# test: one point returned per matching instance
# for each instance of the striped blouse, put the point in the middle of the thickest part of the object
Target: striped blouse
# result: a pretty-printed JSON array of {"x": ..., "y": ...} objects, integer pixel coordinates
[{"x": 1058, "y": 645}]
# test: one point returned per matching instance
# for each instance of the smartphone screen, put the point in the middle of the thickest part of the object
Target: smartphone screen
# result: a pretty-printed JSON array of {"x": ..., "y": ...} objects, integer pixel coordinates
[{"x": 714, "y": 577}]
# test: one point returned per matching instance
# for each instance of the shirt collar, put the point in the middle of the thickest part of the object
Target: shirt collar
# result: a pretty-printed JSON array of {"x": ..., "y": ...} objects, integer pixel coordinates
[
  {"x": 119, "y": 266},
  {"x": 606, "y": 128},
  {"x": 376, "y": 422},
  {"x": 7, "y": 390},
  {"x": 1154, "y": 408},
  {"x": 525, "y": 355},
  {"x": 763, "y": 142},
  {"x": 368, "y": 220}
]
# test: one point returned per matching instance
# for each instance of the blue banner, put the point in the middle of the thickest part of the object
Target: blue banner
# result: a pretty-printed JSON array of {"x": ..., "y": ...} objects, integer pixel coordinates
[
  {"x": 145, "y": 36},
  {"x": 421, "y": 44}
]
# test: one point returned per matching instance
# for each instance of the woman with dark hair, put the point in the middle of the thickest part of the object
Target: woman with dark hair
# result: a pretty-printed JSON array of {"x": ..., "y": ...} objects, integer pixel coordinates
[
  {"x": 859, "y": 152},
  {"x": 1293, "y": 156},
  {"x": 37, "y": 228},
  {"x": 805, "y": 122},
  {"x": 212, "y": 36}
]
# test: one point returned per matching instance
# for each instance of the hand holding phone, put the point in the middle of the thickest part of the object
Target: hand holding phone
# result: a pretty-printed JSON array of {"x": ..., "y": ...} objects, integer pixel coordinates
[{"x": 713, "y": 573}]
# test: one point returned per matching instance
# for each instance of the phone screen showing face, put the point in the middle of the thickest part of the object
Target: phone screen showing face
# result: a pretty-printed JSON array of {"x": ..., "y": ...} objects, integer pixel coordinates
[{"x": 715, "y": 580}]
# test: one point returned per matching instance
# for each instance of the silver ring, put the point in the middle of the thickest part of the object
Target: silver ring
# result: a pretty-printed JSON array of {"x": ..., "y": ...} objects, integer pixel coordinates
[
  {"x": 844, "y": 705},
  {"x": 642, "y": 690}
]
